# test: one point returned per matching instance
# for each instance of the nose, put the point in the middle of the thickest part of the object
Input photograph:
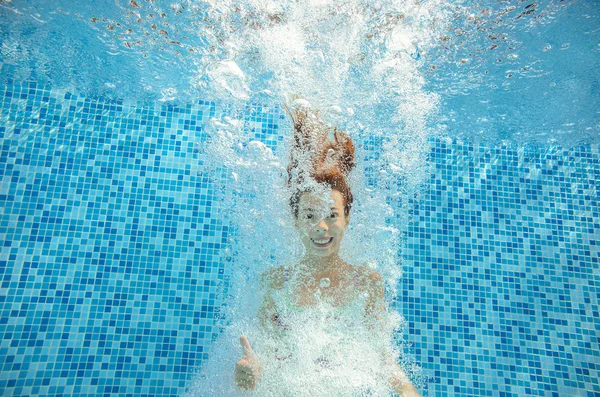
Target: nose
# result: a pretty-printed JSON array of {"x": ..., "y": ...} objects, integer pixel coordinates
[{"x": 321, "y": 226}]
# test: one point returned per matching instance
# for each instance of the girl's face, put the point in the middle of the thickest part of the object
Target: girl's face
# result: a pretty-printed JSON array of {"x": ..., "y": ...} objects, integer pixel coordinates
[{"x": 321, "y": 222}]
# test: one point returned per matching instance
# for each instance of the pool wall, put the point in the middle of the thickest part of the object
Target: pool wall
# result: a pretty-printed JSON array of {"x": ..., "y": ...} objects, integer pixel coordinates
[{"x": 111, "y": 240}]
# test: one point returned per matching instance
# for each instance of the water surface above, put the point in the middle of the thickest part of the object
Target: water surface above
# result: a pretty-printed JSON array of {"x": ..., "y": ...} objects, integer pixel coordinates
[{"x": 492, "y": 71}]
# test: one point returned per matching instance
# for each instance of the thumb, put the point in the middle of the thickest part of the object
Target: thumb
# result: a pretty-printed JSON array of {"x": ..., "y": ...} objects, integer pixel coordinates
[{"x": 246, "y": 346}]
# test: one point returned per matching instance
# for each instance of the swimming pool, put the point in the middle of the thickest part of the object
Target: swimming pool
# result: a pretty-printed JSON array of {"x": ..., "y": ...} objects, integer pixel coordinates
[{"x": 117, "y": 236}]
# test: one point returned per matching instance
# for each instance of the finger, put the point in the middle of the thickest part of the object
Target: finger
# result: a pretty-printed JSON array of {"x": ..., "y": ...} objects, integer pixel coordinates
[
  {"x": 241, "y": 380},
  {"x": 243, "y": 366},
  {"x": 245, "y": 376},
  {"x": 246, "y": 384},
  {"x": 246, "y": 346}
]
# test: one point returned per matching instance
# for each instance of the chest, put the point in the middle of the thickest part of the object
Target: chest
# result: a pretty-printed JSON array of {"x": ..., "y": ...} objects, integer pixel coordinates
[{"x": 334, "y": 290}]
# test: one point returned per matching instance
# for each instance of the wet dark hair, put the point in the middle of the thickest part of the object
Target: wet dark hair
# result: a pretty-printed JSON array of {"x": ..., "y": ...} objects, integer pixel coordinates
[{"x": 314, "y": 156}]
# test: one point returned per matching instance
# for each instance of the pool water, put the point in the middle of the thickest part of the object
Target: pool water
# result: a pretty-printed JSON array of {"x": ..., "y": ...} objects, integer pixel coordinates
[{"x": 119, "y": 243}]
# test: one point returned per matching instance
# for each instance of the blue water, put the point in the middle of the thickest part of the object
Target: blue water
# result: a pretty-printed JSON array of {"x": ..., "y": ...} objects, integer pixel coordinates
[{"x": 113, "y": 255}]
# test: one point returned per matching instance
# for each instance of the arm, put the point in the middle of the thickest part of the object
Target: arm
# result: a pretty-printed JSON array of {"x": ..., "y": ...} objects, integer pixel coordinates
[
  {"x": 248, "y": 370},
  {"x": 401, "y": 384},
  {"x": 271, "y": 281},
  {"x": 375, "y": 308}
]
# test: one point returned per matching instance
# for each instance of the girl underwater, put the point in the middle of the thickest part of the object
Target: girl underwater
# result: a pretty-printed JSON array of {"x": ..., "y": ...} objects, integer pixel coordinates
[{"x": 327, "y": 331}]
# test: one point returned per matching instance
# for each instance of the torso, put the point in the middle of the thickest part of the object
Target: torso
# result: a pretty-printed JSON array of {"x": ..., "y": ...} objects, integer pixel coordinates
[
  {"x": 342, "y": 287},
  {"x": 346, "y": 285}
]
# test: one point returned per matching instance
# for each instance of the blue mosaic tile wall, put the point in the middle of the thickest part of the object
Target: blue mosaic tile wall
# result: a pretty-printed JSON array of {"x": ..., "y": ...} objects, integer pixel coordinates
[
  {"x": 502, "y": 276},
  {"x": 110, "y": 244},
  {"x": 111, "y": 267}
]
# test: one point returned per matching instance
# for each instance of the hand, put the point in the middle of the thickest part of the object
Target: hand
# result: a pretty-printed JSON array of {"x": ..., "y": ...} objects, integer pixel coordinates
[
  {"x": 402, "y": 385},
  {"x": 248, "y": 369}
]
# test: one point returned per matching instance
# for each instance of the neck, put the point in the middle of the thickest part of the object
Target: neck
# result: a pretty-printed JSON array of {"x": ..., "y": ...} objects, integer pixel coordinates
[{"x": 322, "y": 264}]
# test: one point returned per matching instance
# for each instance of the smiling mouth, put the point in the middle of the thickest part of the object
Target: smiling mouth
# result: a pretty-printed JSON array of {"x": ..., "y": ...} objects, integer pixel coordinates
[{"x": 322, "y": 242}]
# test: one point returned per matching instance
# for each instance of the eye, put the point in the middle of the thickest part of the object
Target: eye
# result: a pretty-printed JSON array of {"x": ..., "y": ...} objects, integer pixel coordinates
[
  {"x": 333, "y": 215},
  {"x": 309, "y": 216}
]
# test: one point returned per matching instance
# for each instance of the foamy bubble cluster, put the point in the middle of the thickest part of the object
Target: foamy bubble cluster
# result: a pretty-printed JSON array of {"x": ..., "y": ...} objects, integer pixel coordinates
[
  {"x": 318, "y": 351},
  {"x": 354, "y": 64}
]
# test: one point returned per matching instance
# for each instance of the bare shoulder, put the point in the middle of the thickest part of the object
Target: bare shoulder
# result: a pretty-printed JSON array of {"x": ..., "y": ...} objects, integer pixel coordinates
[
  {"x": 369, "y": 277},
  {"x": 371, "y": 282},
  {"x": 274, "y": 278}
]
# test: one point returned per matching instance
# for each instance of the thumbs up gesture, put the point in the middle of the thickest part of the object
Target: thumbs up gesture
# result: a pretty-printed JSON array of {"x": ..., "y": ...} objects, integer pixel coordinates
[{"x": 248, "y": 369}]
